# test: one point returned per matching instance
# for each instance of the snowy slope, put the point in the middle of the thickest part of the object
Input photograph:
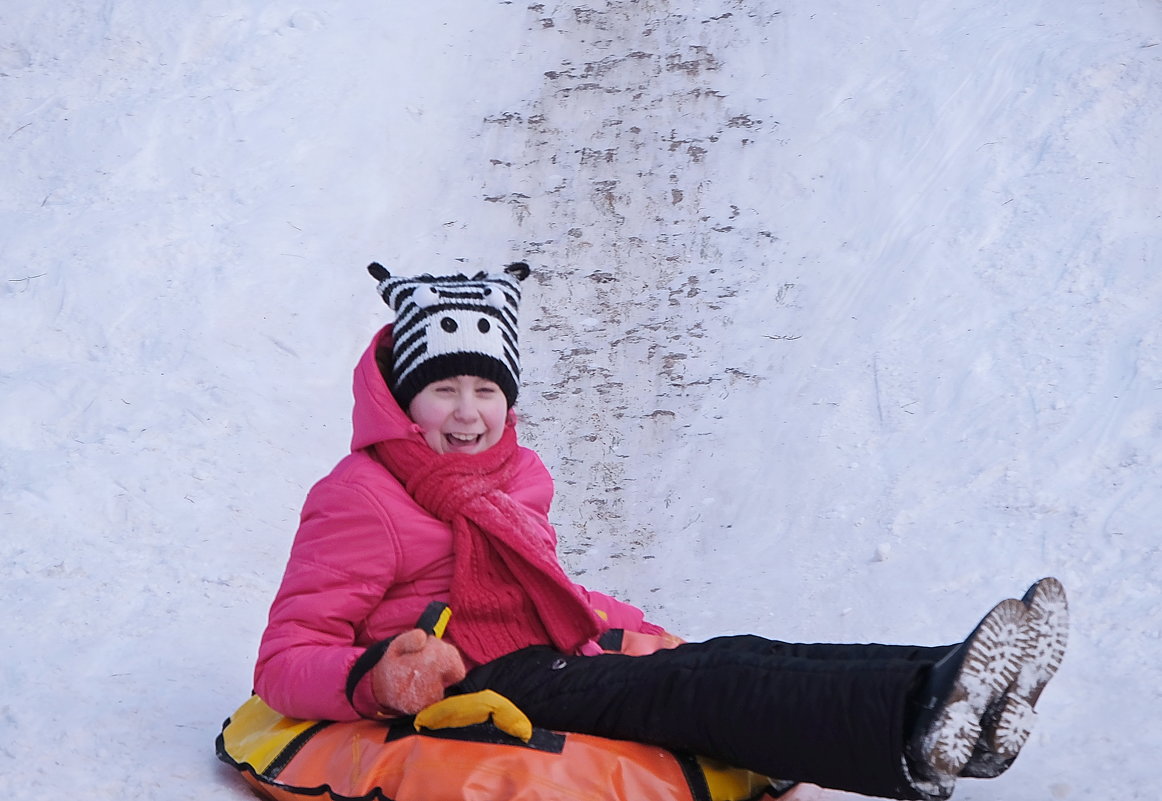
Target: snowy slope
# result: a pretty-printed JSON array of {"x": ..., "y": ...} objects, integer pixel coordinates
[{"x": 845, "y": 325}]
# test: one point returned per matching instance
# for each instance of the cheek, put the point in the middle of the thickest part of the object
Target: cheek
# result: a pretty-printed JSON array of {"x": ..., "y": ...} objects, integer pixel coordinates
[
  {"x": 434, "y": 439},
  {"x": 429, "y": 417},
  {"x": 495, "y": 419}
]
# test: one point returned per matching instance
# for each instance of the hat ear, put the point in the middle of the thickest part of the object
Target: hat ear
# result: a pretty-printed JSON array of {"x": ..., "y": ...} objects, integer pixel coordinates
[
  {"x": 378, "y": 271},
  {"x": 519, "y": 270}
]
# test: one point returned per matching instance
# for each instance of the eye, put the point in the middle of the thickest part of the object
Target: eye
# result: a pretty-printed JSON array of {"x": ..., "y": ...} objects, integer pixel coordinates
[
  {"x": 483, "y": 325},
  {"x": 426, "y": 296},
  {"x": 449, "y": 325},
  {"x": 494, "y": 299}
]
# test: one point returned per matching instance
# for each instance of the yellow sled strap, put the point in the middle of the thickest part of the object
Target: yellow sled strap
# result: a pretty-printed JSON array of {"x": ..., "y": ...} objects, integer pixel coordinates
[
  {"x": 256, "y": 735},
  {"x": 731, "y": 784}
]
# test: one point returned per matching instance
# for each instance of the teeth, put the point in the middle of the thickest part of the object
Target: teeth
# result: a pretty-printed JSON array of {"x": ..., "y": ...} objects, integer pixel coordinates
[{"x": 464, "y": 437}]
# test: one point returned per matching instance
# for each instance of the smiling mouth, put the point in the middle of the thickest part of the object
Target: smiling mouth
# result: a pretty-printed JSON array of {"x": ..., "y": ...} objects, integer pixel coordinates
[{"x": 462, "y": 439}]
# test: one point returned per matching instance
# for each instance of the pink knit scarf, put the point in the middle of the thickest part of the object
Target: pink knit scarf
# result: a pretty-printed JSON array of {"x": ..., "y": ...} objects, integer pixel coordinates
[{"x": 508, "y": 590}]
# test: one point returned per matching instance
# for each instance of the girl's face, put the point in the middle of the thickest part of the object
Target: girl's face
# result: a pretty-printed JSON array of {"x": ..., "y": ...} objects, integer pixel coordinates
[{"x": 463, "y": 414}]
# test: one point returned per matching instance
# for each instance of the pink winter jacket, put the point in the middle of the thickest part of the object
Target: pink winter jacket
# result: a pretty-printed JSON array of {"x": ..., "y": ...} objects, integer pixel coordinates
[{"x": 365, "y": 563}]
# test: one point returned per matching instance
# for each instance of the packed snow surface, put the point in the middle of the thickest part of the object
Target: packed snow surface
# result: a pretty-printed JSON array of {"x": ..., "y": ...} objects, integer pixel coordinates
[{"x": 846, "y": 324}]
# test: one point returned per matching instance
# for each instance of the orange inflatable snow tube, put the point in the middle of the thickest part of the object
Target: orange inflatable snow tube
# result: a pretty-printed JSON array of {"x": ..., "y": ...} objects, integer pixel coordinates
[{"x": 291, "y": 760}]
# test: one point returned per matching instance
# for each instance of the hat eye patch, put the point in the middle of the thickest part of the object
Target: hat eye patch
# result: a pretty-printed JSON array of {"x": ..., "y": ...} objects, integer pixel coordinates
[
  {"x": 483, "y": 325},
  {"x": 449, "y": 325},
  {"x": 493, "y": 298},
  {"x": 426, "y": 296}
]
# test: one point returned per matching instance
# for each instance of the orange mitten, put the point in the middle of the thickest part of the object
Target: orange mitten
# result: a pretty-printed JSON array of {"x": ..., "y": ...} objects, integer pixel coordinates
[
  {"x": 637, "y": 644},
  {"x": 415, "y": 671}
]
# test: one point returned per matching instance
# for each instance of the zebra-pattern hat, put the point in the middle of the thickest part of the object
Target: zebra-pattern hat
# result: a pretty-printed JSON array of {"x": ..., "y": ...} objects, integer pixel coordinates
[{"x": 450, "y": 325}]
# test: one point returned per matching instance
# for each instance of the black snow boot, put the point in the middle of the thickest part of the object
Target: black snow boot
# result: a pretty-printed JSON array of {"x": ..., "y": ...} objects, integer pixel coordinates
[
  {"x": 957, "y": 692},
  {"x": 1007, "y": 724}
]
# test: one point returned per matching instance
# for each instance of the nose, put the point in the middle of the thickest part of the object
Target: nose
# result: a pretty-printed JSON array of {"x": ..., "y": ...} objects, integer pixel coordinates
[{"x": 465, "y": 407}]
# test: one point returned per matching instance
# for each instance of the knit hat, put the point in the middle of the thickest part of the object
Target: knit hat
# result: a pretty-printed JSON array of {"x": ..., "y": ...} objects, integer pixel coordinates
[{"x": 450, "y": 325}]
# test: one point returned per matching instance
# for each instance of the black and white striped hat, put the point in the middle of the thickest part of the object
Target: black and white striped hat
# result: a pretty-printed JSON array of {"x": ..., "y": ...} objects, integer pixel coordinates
[{"x": 449, "y": 325}]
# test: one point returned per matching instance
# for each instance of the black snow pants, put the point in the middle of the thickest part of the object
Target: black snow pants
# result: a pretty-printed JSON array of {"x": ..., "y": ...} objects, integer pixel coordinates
[{"x": 827, "y": 714}]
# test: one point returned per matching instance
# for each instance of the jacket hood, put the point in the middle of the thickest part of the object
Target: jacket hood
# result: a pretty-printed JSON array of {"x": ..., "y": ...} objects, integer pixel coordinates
[{"x": 377, "y": 416}]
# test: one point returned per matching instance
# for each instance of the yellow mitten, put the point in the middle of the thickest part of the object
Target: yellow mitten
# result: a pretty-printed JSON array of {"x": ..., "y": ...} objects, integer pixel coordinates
[{"x": 464, "y": 710}]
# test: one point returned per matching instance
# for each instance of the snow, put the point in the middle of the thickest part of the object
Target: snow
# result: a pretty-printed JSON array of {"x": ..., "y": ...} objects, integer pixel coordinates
[{"x": 845, "y": 325}]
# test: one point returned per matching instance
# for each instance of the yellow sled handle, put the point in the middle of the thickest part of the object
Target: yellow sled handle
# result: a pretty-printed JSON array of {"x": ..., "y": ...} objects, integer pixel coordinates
[{"x": 435, "y": 618}]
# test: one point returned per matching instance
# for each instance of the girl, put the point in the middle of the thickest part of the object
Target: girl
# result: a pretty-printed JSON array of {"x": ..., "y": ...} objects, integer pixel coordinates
[{"x": 438, "y": 502}]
